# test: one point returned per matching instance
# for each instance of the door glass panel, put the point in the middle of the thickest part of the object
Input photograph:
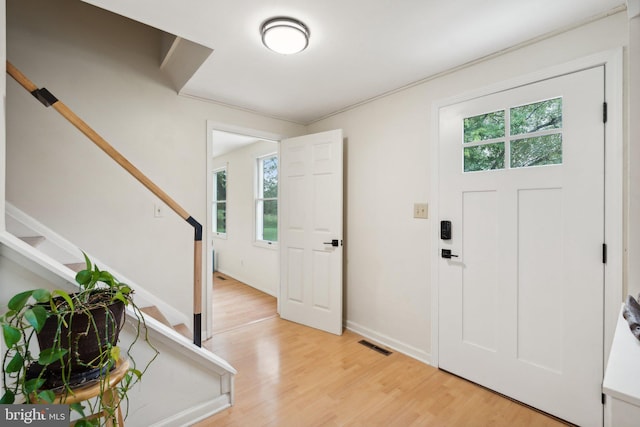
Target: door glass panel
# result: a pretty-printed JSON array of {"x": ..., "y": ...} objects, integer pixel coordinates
[
  {"x": 536, "y": 117},
  {"x": 484, "y": 127},
  {"x": 537, "y": 151},
  {"x": 484, "y": 157}
]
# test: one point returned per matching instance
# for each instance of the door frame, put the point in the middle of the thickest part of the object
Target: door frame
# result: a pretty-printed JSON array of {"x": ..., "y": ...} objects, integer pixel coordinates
[
  {"x": 612, "y": 60},
  {"x": 207, "y": 293}
]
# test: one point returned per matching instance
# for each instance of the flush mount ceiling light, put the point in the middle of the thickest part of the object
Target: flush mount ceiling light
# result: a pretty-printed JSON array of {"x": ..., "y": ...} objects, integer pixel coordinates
[{"x": 285, "y": 35}]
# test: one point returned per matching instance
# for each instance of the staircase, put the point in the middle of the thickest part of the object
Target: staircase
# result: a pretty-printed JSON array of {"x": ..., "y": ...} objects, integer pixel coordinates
[
  {"x": 49, "y": 243},
  {"x": 183, "y": 385},
  {"x": 155, "y": 312}
]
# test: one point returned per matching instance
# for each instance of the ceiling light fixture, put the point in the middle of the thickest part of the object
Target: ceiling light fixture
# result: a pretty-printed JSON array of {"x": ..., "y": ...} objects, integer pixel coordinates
[{"x": 285, "y": 35}]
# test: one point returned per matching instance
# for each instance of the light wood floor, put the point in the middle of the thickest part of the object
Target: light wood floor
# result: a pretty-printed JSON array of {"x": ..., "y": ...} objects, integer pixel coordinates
[
  {"x": 291, "y": 375},
  {"x": 236, "y": 304}
]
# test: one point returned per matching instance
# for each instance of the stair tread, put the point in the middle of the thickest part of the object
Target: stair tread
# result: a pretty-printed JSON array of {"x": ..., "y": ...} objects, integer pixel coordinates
[
  {"x": 183, "y": 330},
  {"x": 154, "y": 312},
  {"x": 76, "y": 266},
  {"x": 33, "y": 240}
]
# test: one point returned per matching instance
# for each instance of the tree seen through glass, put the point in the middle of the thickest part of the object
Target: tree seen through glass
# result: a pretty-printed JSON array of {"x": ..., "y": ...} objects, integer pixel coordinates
[
  {"x": 268, "y": 203},
  {"x": 484, "y": 127},
  {"x": 536, "y": 117},
  {"x": 544, "y": 148},
  {"x": 220, "y": 203}
]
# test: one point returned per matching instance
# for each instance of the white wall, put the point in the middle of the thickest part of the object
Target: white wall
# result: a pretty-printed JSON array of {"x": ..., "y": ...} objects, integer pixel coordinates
[
  {"x": 388, "y": 169},
  {"x": 238, "y": 255},
  {"x": 3, "y": 92},
  {"x": 106, "y": 69},
  {"x": 633, "y": 213}
]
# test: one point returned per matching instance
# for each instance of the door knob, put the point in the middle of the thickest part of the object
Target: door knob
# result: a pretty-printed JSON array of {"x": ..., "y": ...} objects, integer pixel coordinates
[
  {"x": 446, "y": 253},
  {"x": 334, "y": 243}
]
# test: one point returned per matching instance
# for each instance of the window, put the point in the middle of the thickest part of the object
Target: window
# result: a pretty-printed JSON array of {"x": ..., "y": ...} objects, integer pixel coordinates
[
  {"x": 534, "y": 137},
  {"x": 267, "y": 199},
  {"x": 219, "y": 211}
]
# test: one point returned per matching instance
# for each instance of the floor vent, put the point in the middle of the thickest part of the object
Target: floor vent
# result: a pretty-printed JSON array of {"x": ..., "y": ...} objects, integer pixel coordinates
[{"x": 372, "y": 346}]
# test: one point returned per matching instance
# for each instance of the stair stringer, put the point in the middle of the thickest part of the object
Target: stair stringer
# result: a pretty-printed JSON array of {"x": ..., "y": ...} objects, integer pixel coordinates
[
  {"x": 183, "y": 385},
  {"x": 64, "y": 251}
]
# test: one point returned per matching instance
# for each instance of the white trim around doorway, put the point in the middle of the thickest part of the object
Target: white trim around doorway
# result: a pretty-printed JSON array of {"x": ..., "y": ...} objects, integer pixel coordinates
[
  {"x": 208, "y": 282},
  {"x": 614, "y": 179}
]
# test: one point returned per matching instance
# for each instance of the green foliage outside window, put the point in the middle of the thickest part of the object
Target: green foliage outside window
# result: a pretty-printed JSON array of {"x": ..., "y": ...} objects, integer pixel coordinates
[
  {"x": 221, "y": 217},
  {"x": 536, "y": 117},
  {"x": 545, "y": 148},
  {"x": 220, "y": 201},
  {"x": 484, "y": 157},
  {"x": 538, "y": 151},
  {"x": 270, "y": 221},
  {"x": 268, "y": 200},
  {"x": 484, "y": 127}
]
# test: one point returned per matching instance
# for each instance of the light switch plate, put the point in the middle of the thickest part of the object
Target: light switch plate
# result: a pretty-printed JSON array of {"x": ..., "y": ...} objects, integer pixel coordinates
[{"x": 421, "y": 210}]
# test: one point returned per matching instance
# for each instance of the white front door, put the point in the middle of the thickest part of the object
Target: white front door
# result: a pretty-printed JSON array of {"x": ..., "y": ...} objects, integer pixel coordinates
[
  {"x": 522, "y": 182},
  {"x": 311, "y": 230}
]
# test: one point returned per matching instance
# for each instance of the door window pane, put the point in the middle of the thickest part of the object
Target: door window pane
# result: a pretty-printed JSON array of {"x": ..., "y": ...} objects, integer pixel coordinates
[
  {"x": 536, "y": 151},
  {"x": 484, "y": 127},
  {"x": 484, "y": 157},
  {"x": 536, "y": 117},
  {"x": 533, "y": 137}
]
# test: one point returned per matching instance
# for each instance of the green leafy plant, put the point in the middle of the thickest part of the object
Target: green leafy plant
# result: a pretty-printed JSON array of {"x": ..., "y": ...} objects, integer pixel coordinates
[{"x": 31, "y": 376}]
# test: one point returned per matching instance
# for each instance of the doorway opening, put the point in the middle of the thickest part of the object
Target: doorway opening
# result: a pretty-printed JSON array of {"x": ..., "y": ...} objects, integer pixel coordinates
[{"x": 242, "y": 265}]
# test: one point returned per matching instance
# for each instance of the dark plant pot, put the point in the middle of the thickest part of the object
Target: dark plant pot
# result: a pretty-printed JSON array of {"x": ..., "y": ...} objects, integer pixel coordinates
[{"x": 84, "y": 339}]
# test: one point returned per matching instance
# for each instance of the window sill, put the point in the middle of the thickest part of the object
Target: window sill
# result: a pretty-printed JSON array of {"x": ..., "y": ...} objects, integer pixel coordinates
[
  {"x": 266, "y": 245},
  {"x": 221, "y": 236}
]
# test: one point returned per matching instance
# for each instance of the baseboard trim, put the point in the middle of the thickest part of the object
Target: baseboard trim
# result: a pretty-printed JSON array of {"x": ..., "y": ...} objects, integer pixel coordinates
[
  {"x": 197, "y": 413},
  {"x": 387, "y": 341}
]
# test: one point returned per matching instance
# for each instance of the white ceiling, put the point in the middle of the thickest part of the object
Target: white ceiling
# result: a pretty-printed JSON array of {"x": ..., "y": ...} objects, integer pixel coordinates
[
  {"x": 359, "y": 49},
  {"x": 226, "y": 142}
]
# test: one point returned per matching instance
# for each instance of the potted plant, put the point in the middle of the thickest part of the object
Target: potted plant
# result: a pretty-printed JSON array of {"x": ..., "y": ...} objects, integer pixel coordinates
[{"x": 77, "y": 336}]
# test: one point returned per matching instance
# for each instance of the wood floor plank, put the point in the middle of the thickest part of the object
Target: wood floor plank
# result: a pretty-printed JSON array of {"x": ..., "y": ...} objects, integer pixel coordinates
[
  {"x": 291, "y": 375},
  {"x": 236, "y": 304}
]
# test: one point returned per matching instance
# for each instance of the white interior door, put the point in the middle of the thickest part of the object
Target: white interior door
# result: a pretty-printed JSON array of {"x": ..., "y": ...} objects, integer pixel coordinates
[
  {"x": 521, "y": 306},
  {"x": 311, "y": 230}
]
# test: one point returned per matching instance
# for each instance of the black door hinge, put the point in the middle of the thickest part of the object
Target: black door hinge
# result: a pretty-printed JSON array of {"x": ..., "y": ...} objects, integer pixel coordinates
[
  {"x": 604, "y": 398},
  {"x": 604, "y": 112},
  {"x": 604, "y": 253}
]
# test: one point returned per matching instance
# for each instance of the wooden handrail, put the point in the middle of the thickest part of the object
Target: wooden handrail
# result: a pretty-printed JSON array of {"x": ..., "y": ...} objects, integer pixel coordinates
[{"x": 46, "y": 98}]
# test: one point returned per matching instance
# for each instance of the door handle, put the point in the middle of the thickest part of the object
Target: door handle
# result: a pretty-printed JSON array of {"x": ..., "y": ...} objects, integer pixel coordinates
[
  {"x": 446, "y": 253},
  {"x": 335, "y": 243}
]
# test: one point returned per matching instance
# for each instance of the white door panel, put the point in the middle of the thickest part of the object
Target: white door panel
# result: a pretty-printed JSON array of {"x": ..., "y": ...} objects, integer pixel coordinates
[
  {"x": 311, "y": 218},
  {"x": 521, "y": 308}
]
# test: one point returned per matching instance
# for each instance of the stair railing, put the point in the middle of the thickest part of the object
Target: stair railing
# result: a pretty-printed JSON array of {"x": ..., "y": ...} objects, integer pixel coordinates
[{"x": 47, "y": 99}]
